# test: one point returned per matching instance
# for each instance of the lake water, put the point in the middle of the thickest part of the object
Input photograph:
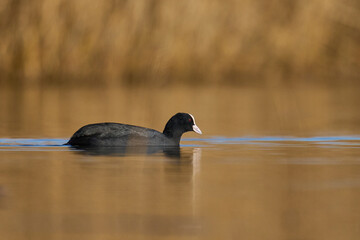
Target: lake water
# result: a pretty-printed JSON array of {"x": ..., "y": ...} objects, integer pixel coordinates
[{"x": 279, "y": 164}]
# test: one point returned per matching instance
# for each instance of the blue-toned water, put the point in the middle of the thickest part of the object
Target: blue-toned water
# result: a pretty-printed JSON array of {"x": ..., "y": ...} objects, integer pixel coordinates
[{"x": 322, "y": 140}]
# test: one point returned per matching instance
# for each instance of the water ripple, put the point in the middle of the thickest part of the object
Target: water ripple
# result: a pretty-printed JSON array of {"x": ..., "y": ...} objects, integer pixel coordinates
[{"x": 349, "y": 141}]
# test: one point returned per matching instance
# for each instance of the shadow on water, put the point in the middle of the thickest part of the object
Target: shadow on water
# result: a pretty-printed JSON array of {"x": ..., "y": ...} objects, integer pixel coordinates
[
  {"x": 136, "y": 188},
  {"x": 172, "y": 152}
]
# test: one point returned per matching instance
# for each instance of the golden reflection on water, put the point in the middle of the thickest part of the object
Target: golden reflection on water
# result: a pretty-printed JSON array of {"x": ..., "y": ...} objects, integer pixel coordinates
[
  {"x": 300, "y": 111},
  {"x": 290, "y": 191},
  {"x": 273, "y": 190}
]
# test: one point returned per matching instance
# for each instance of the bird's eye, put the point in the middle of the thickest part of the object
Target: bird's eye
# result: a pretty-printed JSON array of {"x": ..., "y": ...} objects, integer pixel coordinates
[{"x": 189, "y": 120}]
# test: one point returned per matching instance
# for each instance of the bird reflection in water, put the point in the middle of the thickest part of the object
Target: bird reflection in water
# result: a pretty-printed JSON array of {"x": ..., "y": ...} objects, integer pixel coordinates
[{"x": 173, "y": 152}]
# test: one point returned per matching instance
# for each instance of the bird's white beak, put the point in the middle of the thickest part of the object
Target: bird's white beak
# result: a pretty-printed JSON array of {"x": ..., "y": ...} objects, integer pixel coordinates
[{"x": 197, "y": 129}]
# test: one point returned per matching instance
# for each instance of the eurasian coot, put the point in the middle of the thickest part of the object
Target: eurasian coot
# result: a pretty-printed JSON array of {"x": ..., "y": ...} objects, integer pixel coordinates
[{"x": 116, "y": 134}]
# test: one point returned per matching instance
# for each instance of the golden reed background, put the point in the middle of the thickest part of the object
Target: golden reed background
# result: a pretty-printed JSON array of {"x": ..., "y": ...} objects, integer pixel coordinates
[{"x": 163, "y": 42}]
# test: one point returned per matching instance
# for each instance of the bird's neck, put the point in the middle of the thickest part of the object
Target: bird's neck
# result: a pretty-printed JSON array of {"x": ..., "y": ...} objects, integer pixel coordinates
[{"x": 172, "y": 134}]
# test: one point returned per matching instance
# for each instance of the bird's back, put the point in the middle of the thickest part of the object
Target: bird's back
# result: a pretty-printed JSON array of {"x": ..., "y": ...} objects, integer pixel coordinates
[{"x": 116, "y": 134}]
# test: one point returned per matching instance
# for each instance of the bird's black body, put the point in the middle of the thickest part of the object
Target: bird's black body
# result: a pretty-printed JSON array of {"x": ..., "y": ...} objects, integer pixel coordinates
[{"x": 117, "y": 134}]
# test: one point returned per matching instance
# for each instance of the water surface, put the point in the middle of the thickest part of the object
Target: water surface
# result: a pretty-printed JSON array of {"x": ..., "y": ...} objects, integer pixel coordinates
[
  {"x": 216, "y": 188},
  {"x": 273, "y": 163}
]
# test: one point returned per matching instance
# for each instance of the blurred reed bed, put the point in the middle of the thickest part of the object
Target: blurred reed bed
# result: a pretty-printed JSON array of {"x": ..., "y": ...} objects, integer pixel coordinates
[{"x": 165, "y": 42}]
